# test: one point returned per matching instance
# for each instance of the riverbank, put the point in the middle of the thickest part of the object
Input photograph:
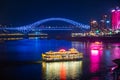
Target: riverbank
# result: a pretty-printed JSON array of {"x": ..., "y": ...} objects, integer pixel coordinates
[{"x": 88, "y": 38}]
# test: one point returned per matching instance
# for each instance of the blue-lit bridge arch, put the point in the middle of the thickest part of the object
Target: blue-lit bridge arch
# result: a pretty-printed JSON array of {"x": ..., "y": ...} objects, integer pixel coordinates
[
  {"x": 60, "y": 19},
  {"x": 29, "y": 27}
]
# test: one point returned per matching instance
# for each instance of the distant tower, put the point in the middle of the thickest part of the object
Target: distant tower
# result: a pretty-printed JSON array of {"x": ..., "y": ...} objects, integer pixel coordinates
[
  {"x": 104, "y": 22},
  {"x": 93, "y": 25},
  {"x": 116, "y": 18}
]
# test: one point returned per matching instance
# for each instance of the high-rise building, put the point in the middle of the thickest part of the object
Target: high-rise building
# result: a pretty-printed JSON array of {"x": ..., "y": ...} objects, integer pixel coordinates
[
  {"x": 93, "y": 25},
  {"x": 116, "y": 19}
]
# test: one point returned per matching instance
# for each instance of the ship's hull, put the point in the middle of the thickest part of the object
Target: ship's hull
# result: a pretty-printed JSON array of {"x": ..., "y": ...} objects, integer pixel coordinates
[{"x": 59, "y": 60}]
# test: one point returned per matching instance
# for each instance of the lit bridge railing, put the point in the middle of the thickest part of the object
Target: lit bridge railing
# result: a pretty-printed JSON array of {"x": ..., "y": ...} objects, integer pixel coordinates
[{"x": 30, "y": 27}]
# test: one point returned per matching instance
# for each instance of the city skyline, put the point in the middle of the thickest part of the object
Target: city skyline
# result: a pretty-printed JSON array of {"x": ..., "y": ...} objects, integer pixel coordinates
[{"x": 26, "y": 12}]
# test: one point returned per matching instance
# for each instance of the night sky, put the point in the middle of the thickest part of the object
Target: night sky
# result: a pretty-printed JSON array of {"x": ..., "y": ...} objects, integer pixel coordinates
[{"x": 22, "y": 12}]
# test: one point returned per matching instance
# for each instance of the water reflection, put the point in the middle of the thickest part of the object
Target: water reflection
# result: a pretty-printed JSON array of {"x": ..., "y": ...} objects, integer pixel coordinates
[
  {"x": 95, "y": 56},
  {"x": 62, "y": 70},
  {"x": 97, "y": 59},
  {"x": 116, "y": 51}
]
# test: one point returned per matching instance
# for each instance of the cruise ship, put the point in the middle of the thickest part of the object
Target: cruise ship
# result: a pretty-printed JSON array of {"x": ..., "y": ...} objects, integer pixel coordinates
[{"x": 62, "y": 55}]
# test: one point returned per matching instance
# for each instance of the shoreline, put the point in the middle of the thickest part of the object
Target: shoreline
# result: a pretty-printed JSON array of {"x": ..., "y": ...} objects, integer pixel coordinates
[{"x": 89, "y": 38}]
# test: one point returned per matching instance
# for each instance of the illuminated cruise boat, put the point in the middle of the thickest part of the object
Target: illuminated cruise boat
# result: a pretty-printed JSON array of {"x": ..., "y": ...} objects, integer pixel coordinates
[{"x": 62, "y": 55}]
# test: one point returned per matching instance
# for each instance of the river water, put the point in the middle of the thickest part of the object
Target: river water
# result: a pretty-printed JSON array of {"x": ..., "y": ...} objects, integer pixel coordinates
[{"x": 21, "y": 60}]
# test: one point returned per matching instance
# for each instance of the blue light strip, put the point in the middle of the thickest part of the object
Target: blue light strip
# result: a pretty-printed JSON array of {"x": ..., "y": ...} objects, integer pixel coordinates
[{"x": 29, "y": 27}]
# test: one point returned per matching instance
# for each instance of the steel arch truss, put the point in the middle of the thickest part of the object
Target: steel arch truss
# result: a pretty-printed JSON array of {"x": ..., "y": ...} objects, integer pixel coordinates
[{"x": 29, "y": 27}]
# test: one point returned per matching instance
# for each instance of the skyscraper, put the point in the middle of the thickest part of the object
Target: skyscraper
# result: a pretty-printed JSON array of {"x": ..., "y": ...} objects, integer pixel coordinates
[
  {"x": 116, "y": 19},
  {"x": 93, "y": 25}
]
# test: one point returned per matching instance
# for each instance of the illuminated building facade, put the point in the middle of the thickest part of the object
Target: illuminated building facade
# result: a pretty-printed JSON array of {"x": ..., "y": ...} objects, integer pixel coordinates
[
  {"x": 104, "y": 22},
  {"x": 93, "y": 25},
  {"x": 116, "y": 19}
]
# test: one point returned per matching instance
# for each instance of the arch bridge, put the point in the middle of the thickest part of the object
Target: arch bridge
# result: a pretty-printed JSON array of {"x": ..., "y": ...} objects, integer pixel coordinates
[{"x": 33, "y": 26}]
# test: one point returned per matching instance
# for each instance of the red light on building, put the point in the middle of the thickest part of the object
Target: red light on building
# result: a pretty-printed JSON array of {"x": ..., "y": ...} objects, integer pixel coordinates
[
  {"x": 62, "y": 50},
  {"x": 116, "y": 19}
]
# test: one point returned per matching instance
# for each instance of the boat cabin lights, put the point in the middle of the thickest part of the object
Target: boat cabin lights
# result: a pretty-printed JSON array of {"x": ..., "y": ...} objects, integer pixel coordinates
[{"x": 62, "y": 50}]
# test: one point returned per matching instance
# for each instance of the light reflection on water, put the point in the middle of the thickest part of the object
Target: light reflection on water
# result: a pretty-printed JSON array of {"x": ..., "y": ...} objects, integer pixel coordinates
[
  {"x": 115, "y": 51},
  {"x": 95, "y": 56},
  {"x": 97, "y": 59},
  {"x": 62, "y": 70}
]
